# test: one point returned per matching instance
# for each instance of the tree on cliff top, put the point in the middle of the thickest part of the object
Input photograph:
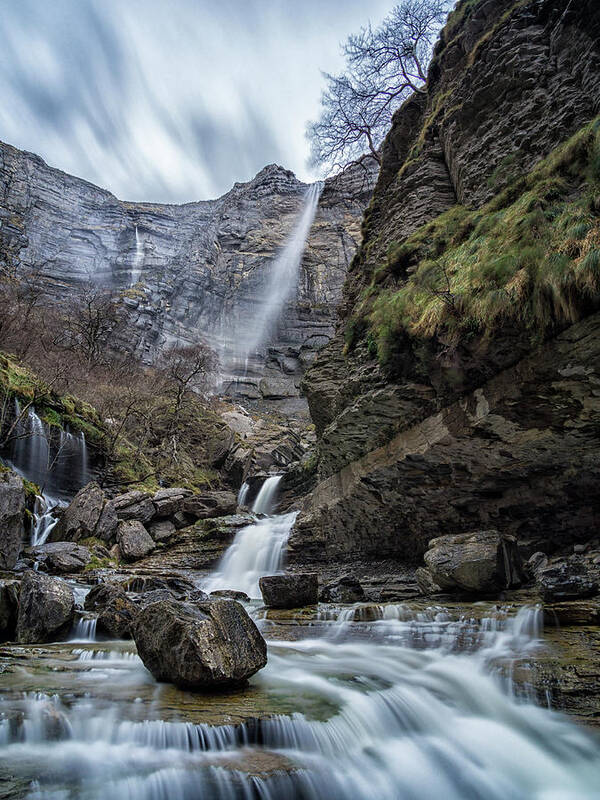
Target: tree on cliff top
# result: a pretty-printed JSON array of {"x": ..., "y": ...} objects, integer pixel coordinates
[{"x": 383, "y": 67}]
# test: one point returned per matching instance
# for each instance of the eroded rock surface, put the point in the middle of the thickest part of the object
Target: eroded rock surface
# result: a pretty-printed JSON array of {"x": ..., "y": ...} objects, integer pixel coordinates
[
  {"x": 12, "y": 510},
  {"x": 46, "y": 609},
  {"x": 290, "y": 591}
]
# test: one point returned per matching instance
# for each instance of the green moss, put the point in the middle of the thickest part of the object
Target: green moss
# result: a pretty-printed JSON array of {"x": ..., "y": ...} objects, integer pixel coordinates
[{"x": 530, "y": 258}]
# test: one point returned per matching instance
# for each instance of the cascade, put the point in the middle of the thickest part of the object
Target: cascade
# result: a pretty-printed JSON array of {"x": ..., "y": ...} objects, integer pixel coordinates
[
  {"x": 138, "y": 259},
  {"x": 257, "y": 549}
]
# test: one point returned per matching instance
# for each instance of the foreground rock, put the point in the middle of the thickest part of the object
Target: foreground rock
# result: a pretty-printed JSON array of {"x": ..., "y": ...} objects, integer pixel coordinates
[
  {"x": 46, "y": 609},
  {"x": 116, "y": 612},
  {"x": 207, "y": 645},
  {"x": 567, "y": 580},
  {"x": 9, "y": 605},
  {"x": 61, "y": 557},
  {"x": 12, "y": 509},
  {"x": 290, "y": 591},
  {"x": 345, "y": 590},
  {"x": 482, "y": 562},
  {"x": 81, "y": 517},
  {"x": 134, "y": 540}
]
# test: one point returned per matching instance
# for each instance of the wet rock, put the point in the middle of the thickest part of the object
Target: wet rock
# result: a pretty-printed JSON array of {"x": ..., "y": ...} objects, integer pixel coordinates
[
  {"x": 9, "y": 604},
  {"x": 12, "y": 510},
  {"x": 566, "y": 580},
  {"x": 46, "y": 609},
  {"x": 116, "y": 612},
  {"x": 134, "y": 540},
  {"x": 425, "y": 582},
  {"x": 135, "y": 505},
  {"x": 345, "y": 590},
  {"x": 161, "y": 530},
  {"x": 80, "y": 518},
  {"x": 61, "y": 557},
  {"x": 210, "y": 505},
  {"x": 202, "y": 646},
  {"x": 290, "y": 591},
  {"x": 231, "y": 594},
  {"x": 141, "y": 584},
  {"x": 484, "y": 561}
]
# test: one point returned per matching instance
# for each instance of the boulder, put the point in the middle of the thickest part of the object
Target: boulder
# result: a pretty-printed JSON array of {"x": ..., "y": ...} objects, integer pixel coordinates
[
  {"x": 425, "y": 582},
  {"x": 134, "y": 540},
  {"x": 208, "y": 645},
  {"x": 61, "y": 557},
  {"x": 480, "y": 562},
  {"x": 116, "y": 612},
  {"x": 80, "y": 518},
  {"x": 106, "y": 529},
  {"x": 12, "y": 511},
  {"x": 46, "y": 609},
  {"x": 345, "y": 590},
  {"x": 567, "y": 580},
  {"x": 161, "y": 530},
  {"x": 290, "y": 591},
  {"x": 135, "y": 505},
  {"x": 232, "y": 594},
  {"x": 210, "y": 505},
  {"x": 141, "y": 584},
  {"x": 9, "y": 605},
  {"x": 168, "y": 501}
]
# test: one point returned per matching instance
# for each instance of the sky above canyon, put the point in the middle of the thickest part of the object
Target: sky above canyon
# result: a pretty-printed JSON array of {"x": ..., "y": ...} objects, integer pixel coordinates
[{"x": 170, "y": 100}]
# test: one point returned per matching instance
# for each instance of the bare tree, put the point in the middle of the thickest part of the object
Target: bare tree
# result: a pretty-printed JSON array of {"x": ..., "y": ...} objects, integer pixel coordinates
[{"x": 383, "y": 67}]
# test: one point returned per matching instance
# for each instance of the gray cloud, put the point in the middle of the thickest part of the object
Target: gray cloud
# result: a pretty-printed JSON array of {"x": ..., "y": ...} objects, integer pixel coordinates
[{"x": 169, "y": 101}]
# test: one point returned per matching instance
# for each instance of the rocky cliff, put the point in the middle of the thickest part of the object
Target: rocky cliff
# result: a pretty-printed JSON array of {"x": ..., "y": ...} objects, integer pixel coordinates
[
  {"x": 189, "y": 271},
  {"x": 460, "y": 389}
]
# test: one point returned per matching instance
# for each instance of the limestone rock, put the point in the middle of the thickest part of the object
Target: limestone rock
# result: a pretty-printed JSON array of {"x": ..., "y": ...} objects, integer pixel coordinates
[
  {"x": 116, "y": 612},
  {"x": 344, "y": 590},
  {"x": 566, "y": 580},
  {"x": 9, "y": 605},
  {"x": 203, "y": 646},
  {"x": 425, "y": 582},
  {"x": 134, "y": 540},
  {"x": 135, "y": 505},
  {"x": 231, "y": 594},
  {"x": 481, "y": 562},
  {"x": 210, "y": 504},
  {"x": 80, "y": 518},
  {"x": 169, "y": 501},
  {"x": 61, "y": 557},
  {"x": 161, "y": 530},
  {"x": 290, "y": 591},
  {"x": 46, "y": 609},
  {"x": 12, "y": 510}
]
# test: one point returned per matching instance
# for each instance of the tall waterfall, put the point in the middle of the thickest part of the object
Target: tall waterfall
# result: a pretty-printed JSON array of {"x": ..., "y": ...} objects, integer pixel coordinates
[
  {"x": 257, "y": 549},
  {"x": 138, "y": 259}
]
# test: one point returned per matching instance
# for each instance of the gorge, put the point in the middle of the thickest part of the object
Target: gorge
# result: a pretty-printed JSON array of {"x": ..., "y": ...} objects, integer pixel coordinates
[{"x": 322, "y": 520}]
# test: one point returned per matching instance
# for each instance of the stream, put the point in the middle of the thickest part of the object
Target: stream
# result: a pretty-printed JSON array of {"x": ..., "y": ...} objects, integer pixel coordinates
[{"x": 363, "y": 701}]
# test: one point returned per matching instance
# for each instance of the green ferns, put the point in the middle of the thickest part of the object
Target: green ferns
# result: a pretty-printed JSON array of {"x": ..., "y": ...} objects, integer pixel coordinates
[{"x": 530, "y": 258}]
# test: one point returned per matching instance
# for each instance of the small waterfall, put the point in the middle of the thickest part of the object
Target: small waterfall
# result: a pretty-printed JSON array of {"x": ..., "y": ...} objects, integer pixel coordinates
[
  {"x": 84, "y": 630},
  {"x": 243, "y": 494},
  {"x": 257, "y": 549},
  {"x": 53, "y": 458},
  {"x": 138, "y": 259},
  {"x": 44, "y": 519}
]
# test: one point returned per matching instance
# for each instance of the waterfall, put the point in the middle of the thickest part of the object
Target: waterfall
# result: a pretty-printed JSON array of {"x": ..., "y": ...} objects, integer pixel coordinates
[
  {"x": 53, "y": 458},
  {"x": 138, "y": 259},
  {"x": 243, "y": 494},
  {"x": 257, "y": 549},
  {"x": 44, "y": 519}
]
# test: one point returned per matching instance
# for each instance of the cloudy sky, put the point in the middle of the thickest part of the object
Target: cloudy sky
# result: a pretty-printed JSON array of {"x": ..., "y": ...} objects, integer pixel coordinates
[{"x": 169, "y": 100}]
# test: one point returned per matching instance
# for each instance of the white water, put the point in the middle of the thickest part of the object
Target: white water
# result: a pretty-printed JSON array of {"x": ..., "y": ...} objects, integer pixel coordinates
[
  {"x": 138, "y": 259},
  {"x": 44, "y": 518},
  {"x": 399, "y": 712},
  {"x": 257, "y": 549},
  {"x": 84, "y": 630}
]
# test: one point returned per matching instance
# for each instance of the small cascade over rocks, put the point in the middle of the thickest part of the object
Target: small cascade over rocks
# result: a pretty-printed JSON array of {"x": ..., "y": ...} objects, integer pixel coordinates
[
  {"x": 257, "y": 549},
  {"x": 53, "y": 458},
  {"x": 44, "y": 518}
]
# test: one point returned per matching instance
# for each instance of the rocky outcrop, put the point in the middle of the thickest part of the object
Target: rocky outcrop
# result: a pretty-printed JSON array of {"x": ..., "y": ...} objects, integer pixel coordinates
[
  {"x": 46, "y": 609},
  {"x": 289, "y": 591},
  {"x": 207, "y": 645},
  {"x": 199, "y": 268},
  {"x": 345, "y": 590},
  {"x": 480, "y": 563},
  {"x": 80, "y": 519},
  {"x": 12, "y": 511},
  {"x": 499, "y": 430},
  {"x": 567, "y": 580}
]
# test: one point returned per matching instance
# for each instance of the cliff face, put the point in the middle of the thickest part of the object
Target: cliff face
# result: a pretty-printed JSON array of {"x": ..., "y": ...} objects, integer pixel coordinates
[
  {"x": 459, "y": 389},
  {"x": 200, "y": 268}
]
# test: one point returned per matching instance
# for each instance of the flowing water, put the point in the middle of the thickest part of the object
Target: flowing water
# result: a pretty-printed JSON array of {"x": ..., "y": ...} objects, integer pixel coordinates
[
  {"x": 363, "y": 702},
  {"x": 138, "y": 259}
]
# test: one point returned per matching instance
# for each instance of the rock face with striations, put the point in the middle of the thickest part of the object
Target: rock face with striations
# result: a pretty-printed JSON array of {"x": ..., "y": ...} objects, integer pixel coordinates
[
  {"x": 199, "y": 269},
  {"x": 12, "y": 510},
  {"x": 501, "y": 430}
]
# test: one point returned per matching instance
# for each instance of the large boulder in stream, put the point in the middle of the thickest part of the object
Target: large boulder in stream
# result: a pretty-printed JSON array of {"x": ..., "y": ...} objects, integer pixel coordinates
[
  {"x": 116, "y": 612},
  {"x": 483, "y": 562},
  {"x": 205, "y": 645},
  {"x": 290, "y": 591},
  {"x": 46, "y": 609},
  {"x": 134, "y": 540},
  {"x": 12, "y": 510}
]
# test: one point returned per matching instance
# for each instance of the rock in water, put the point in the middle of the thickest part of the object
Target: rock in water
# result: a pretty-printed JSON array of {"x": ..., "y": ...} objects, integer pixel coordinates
[
  {"x": 116, "y": 612},
  {"x": 207, "y": 645},
  {"x": 345, "y": 590},
  {"x": 61, "y": 557},
  {"x": 567, "y": 580},
  {"x": 484, "y": 561},
  {"x": 46, "y": 609},
  {"x": 134, "y": 540},
  {"x": 12, "y": 508},
  {"x": 290, "y": 591}
]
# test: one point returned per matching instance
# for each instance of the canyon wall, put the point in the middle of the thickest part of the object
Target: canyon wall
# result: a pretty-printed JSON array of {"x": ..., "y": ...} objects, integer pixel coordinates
[
  {"x": 189, "y": 271},
  {"x": 444, "y": 432}
]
